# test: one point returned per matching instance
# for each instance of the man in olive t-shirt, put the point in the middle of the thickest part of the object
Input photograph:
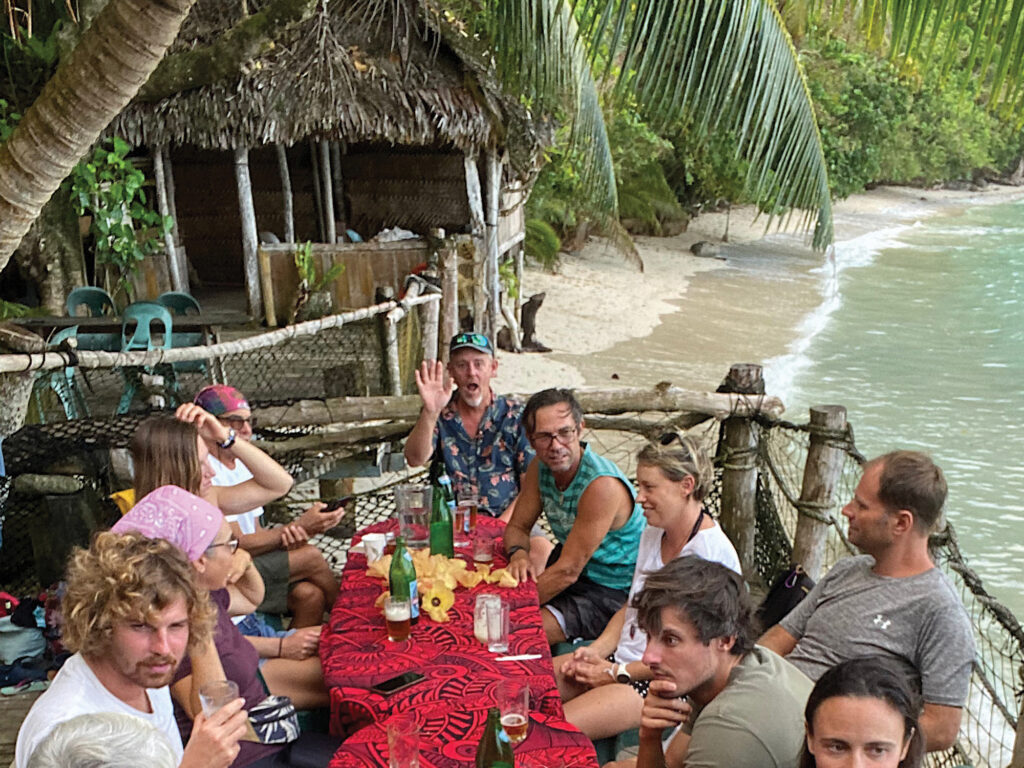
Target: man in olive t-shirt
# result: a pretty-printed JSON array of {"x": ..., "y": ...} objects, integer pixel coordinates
[{"x": 746, "y": 703}]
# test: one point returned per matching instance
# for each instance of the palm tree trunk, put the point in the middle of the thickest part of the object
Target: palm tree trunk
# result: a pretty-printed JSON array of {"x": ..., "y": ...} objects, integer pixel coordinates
[{"x": 114, "y": 58}]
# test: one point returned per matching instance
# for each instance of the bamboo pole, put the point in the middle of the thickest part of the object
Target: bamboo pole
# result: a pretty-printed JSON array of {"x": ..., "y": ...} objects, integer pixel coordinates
[
  {"x": 250, "y": 237},
  {"x": 44, "y": 361},
  {"x": 449, "y": 322},
  {"x": 477, "y": 231},
  {"x": 325, "y": 176},
  {"x": 269, "y": 310},
  {"x": 519, "y": 249},
  {"x": 492, "y": 278},
  {"x": 179, "y": 282},
  {"x": 739, "y": 476},
  {"x": 822, "y": 470},
  {"x": 714, "y": 405},
  {"x": 286, "y": 193}
]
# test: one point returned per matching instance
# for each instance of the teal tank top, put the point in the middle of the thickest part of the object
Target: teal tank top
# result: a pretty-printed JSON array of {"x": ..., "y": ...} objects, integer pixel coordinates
[{"x": 613, "y": 562}]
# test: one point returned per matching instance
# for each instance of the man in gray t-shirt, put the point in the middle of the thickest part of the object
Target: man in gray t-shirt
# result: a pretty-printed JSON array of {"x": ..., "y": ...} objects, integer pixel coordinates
[{"x": 892, "y": 601}]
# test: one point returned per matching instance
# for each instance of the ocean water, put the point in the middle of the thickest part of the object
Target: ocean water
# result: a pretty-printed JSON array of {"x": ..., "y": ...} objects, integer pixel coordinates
[
  {"x": 919, "y": 332},
  {"x": 915, "y": 324}
]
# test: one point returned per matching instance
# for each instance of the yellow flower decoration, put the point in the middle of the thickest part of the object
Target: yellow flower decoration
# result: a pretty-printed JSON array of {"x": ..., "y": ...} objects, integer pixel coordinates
[
  {"x": 469, "y": 579},
  {"x": 436, "y": 602}
]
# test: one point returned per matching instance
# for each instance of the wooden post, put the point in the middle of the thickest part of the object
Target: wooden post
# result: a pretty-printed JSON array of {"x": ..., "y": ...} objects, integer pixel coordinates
[
  {"x": 286, "y": 193},
  {"x": 339, "y": 189},
  {"x": 179, "y": 249},
  {"x": 449, "y": 323},
  {"x": 318, "y": 203},
  {"x": 477, "y": 231},
  {"x": 325, "y": 176},
  {"x": 493, "y": 280},
  {"x": 822, "y": 469},
  {"x": 267, "y": 284},
  {"x": 250, "y": 238},
  {"x": 739, "y": 476},
  {"x": 519, "y": 251},
  {"x": 179, "y": 282}
]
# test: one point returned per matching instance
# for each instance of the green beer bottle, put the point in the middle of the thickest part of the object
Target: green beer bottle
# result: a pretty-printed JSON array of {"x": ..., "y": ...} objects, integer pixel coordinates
[
  {"x": 494, "y": 749},
  {"x": 441, "y": 518},
  {"x": 402, "y": 578}
]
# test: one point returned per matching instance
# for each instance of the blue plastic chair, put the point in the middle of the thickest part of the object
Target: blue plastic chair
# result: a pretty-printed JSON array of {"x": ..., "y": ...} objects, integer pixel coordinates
[
  {"x": 62, "y": 382},
  {"x": 143, "y": 314},
  {"x": 96, "y": 300},
  {"x": 179, "y": 303}
]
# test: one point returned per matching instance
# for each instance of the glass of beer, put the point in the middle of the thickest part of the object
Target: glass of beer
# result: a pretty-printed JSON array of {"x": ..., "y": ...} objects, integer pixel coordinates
[
  {"x": 514, "y": 704},
  {"x": 397, "y": 613},
  {"x": 469, "y": 503}
]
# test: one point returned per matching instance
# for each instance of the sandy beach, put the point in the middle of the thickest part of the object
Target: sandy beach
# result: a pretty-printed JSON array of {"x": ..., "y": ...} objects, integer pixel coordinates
[{"x": 685, "y": 319}]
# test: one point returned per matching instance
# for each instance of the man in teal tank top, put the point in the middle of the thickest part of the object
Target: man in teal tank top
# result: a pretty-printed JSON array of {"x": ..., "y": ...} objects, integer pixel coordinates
[{"x": 593, "y": 513}]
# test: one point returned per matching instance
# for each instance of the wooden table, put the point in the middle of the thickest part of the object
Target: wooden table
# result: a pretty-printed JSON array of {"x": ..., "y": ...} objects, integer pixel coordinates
[{"x": 451, "y": 704}]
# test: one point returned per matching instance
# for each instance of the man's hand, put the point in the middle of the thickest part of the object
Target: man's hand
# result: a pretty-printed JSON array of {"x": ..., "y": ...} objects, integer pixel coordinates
[
  {"x": 663, "y": 708},
  {"x": 210, "y": 429},
  {"x": 435, "y": 390},
  {"x": 315, "y": 520},
  {"x": 519, "y": 565},
  {"x": 214, "y": 740},
  {"x": 301, "y": 644},
  {"x": 293, "y": 536}
]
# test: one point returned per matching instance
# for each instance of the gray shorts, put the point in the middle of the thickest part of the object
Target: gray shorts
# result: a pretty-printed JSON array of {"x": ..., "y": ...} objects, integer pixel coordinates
[
  {"x": 584, "y": 609},
  {"x": 275, "y": 570}
]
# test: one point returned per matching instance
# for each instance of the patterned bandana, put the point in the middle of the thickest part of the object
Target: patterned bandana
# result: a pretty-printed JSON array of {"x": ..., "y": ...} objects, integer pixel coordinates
[
  {"x": 174, "y": 514},
  {"x": 220, "y": 398}
]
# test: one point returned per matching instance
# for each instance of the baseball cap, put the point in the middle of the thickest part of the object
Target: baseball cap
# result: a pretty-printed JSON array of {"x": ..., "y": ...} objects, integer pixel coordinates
[
  {"x": 476, "y": 341},
  {"x": 220, "y": 398}
]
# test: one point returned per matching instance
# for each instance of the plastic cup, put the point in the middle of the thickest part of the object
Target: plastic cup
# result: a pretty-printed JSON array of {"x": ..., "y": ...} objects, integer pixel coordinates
[
  {"x": 373, "y": 546},
  {"x": 216, "y": 693},
  {"x": 403, "y": 741}
]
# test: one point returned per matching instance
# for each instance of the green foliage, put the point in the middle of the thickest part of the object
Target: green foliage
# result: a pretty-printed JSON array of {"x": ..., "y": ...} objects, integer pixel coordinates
[
  {"x": 8, "y": 119},
  {"x": 306, "y": 265},
  {"x": 542, "y": 243},
  {"x": 9, "y": 309},
  {"x": 110, "y": 189},
  {"x": 507, "y": 276},
  {"x": 860, "y": 101},
  {"x": 703, "y": 170}
]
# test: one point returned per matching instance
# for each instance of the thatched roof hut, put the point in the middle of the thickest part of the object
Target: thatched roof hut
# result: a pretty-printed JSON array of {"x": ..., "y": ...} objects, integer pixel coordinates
[{"x": 379, "y": 118}]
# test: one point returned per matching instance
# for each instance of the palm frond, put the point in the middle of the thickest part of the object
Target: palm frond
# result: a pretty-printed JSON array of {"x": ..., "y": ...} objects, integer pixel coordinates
[{"x": 728, "y": 65}]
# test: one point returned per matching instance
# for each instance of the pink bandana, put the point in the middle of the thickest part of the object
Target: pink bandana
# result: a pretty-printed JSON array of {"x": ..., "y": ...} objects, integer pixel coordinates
[
  {"x": 174, "y": 514},
  {"x": 220, "y": 398}
]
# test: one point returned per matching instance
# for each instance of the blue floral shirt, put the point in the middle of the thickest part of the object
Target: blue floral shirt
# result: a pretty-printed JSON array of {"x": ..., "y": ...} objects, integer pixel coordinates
[{"x": 494, "y": 460}]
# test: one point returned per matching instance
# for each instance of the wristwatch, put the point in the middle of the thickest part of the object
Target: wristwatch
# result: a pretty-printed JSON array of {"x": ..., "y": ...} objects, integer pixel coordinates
[
  {"x": 513, "y": 549},
  {"x": 622, "y": 674},
  {"x": 230, "y": 439}
]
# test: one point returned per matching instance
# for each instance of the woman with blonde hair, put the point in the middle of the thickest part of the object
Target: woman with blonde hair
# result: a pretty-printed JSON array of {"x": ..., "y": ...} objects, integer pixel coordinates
[{"x": 603, "y": 685}]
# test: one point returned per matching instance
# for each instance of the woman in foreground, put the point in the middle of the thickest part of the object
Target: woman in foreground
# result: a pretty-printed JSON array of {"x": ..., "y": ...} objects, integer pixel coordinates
[
  {"x": 603, "y": 685},
  {"x": 863, "y": 712}
]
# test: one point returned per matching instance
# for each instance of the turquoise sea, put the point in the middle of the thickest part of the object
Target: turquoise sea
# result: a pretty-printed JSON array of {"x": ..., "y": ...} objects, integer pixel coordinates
[
  {"x": 915, "y": 323},
  {"x": 920, "y": 334}
]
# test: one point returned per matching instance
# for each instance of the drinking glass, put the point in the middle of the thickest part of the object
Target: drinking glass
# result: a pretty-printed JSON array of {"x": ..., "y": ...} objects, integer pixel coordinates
[
  {"x": 412, "y": 505},
  {"x": 497, "y": 625},
  {"x": 397, "y": 616},
  {"x": 465, "y": 515},
  {"x": 403, "y": 741},
  {"x": 514, "y": 703},
  {"x": 483, "y": 549},
  {"x": 480, "y": 612},
  {"x": 216, "y": 693}
]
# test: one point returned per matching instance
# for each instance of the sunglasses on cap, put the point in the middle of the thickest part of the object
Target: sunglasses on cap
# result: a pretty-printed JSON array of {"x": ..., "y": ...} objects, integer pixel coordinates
[{"x": 471, "y": 340}]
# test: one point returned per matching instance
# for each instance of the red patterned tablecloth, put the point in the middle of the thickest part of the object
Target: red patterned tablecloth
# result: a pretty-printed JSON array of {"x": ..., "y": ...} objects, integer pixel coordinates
[{"x": 461, "y": 675}]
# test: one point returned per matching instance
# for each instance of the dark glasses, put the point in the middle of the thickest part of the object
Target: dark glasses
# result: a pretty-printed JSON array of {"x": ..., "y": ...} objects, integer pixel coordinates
[
  {"x": 238, "y": 421},
  {"x": 476, "y": 339}
]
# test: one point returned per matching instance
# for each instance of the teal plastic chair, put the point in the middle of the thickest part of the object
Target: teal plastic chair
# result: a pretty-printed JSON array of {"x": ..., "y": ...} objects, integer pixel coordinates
[
  {"x": 62, "y": 382},
  {"x": 179, "y": 303},
  {"x": 96, "y": 300},
  {"x": 143, "y": 315}
]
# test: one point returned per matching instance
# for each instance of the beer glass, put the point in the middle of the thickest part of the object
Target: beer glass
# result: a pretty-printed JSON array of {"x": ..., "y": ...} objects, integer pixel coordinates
[
  {"x": 397, "y": 615},
  {"x": 465, "y": 515},
  {"x": 514, "y": 703}
]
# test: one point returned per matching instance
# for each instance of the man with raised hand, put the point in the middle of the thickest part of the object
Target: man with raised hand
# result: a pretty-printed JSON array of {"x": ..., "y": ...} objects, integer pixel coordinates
[
  {"x": 479, "y": 434},
  {"x": 131, "y": 613},
  {"x": 592, "y": 510},
  {"x": 891, "y": 600},
  {"x": 736, "y": 705}
]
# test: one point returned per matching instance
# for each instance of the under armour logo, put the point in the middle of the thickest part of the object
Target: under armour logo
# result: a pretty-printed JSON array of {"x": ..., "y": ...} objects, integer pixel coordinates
[{"x": 882, "y": 622}]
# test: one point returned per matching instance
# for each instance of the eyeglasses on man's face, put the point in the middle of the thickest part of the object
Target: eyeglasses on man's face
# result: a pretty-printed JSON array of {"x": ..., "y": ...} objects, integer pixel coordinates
[
  {"x": 237, "y": 422},
  {"x": 231, "y": 544},
  {"x": 544, "y": 439}
]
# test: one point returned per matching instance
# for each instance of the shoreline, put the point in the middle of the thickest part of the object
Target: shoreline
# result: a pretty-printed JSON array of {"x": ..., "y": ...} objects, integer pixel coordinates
[{"x": 690, "y": 317}]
